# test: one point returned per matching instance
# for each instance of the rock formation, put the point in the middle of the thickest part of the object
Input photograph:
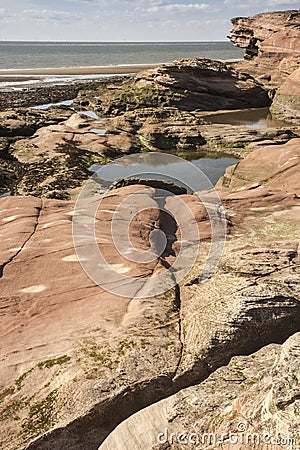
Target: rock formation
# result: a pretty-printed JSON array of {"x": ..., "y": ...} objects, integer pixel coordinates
[
  {"x": 271, "y": 42},
  {"x": 286, "y": 103},
  {"x": 183, "y": 131},
  {"x": 55, "y": 159},
  {"x": 26, "y": 121},
  {"x": 42, "y": 94},
  {"x": 251, "y": 403},
  {"x": 263, "y": 168},
  {"x": 187, "y": 84},
  {"x": 104, "y": 357},
  {"x": 255, "y": 284},
  {"x": 78, "y": 358}
]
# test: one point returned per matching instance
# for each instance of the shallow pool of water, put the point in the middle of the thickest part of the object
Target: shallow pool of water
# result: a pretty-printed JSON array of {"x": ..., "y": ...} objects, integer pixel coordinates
[
  {"x": 197, "y": 174},
  {"x": 87, "y": 113},
  {"x": 67, "y": 103},
  {"x": 6, "y": 194},
  {"x": 251, "y": 118},
  {"x": 48, "y": 105},
  {"x": 99, "y": 131}
]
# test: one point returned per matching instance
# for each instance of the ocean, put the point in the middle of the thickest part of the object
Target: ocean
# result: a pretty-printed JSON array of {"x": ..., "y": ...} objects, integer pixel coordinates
[{"x": 27, "y": 55}]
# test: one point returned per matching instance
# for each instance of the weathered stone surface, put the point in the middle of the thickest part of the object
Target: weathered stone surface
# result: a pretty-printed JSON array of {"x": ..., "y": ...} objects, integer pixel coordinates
[
  {"x": 170, "y": 129},
  {"x": 103, "y": 357},
  {"x": 274, "y": 167},
  {"x": 55, "y": 160},
  {"x": 68, "y": 347},
  {"x": 251, "y": 403},
  {"x": 187, "y": 84},
  {"x": 76, "y": 360},
  {"x": 25, "y": 121},
  {"x": 271, "y": 41},
  {"x": 243, "y": 307},
  {"x": 286, "y": 103}
]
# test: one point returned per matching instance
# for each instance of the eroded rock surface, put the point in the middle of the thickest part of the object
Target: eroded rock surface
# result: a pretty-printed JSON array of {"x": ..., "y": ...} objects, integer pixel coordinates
[
  {"x": 286, "y": 103},
  {"x": 78, "y": 360},
  {"x": 70, "y": 349},
  {"x": 275, "y": 167},
  {"x": 271, "y": 41},
  {"x": 167, "y": 129},
  {"x": 25, "y": 121},
  {"x": 55, "y": 159},
  {"x": 251, "y": 403},
  {"x": 187, "y": 84},
  {"x": 242, "y": 308}
]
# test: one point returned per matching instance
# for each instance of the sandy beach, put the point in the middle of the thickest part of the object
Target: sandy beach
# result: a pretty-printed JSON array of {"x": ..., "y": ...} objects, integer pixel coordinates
[{"x": 94, "y": 70}]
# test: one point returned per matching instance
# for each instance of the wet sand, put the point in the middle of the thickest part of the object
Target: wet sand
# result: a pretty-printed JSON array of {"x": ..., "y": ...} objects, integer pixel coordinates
[
  {"x": 39, "y": 94},
  {"x": 100, "y": 70}
]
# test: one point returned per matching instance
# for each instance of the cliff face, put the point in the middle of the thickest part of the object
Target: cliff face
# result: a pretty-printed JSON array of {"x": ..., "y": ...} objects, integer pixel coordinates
[
  {"x": 286, "y": 104},
  {"x": 271, "y": 42}
]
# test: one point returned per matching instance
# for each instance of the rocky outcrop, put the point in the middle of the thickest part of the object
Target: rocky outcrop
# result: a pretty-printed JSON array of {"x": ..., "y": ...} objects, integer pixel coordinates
[
  {"x": 251, "y": 403},
  {"x": 43, "y": 94},
  {"x": 271, "y": 42},
  {"x": 187, "y": 84},
  {"x": 26, "y": 121},
  {"x": 105, "y": 357},
  {"x": 286, "y": 103},
  {"x": 233, "y": 313},
  {"x": 55, "y": 160},
  {"x": 169, "y": 107},
  {"x": 273, "y": 167},
  {"x": 183, "y": 131},
  {"x": 69, "y": 349}
]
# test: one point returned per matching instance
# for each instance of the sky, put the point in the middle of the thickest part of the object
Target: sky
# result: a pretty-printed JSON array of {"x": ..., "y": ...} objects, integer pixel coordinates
[{"x": 127, "y": 20}]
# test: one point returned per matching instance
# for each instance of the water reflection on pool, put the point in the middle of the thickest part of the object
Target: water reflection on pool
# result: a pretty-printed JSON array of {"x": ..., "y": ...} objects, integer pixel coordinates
[
  {"x": 251, "y": 118},
  {"x": 143, "y": 166}
]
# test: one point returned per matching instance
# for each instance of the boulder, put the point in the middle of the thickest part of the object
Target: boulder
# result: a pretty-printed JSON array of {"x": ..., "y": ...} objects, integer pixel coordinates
[
  {"x": 271, "y": 42},
  {"x": 272, "y": 167},
  {"x": 187, "y": 84}
]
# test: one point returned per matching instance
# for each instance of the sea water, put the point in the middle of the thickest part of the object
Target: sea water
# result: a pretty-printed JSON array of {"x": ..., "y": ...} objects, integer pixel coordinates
[{"x": 30, "y": 55}]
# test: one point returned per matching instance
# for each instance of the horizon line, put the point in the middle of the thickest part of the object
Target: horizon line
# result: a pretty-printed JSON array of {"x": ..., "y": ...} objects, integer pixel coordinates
[{"x": 109, "y": 42}]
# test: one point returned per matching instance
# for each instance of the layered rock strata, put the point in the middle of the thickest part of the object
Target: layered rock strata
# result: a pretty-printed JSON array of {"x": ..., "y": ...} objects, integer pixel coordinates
[
  {"x": 271, "y": 42},
  {"x": 187, "y": 84},
  {"x": 286, "y": 103},
  {"x": 251, "y": 403},
  {"x": 105, "y": 357}
]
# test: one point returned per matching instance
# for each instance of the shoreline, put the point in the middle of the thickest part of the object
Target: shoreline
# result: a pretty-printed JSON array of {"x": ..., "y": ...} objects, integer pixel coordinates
[
  {"x": 37, "y": 86},
  {"x": 30, "y": 95},
  {"x": 81, "y": 70},
  {"x": 116, "y": 69}
]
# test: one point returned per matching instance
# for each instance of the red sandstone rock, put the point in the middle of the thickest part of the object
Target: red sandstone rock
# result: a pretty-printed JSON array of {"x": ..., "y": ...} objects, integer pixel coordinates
[
  {"x": 272, "y": 43},
  {"x": 286, "y": 103}
]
